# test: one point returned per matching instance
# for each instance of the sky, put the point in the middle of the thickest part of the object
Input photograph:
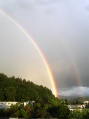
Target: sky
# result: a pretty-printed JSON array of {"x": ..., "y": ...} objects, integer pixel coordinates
[{"x": 61, "y": 30}]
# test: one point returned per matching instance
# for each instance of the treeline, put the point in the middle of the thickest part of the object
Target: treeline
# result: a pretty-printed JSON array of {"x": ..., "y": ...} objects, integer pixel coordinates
[
  {"x": 39, "y": 111},
  {"x": 71, "y": 102},
  {"x": 36, "y": 111},
  {"x": 16, "y": 89},
  {"x": 46, "y": 104}
]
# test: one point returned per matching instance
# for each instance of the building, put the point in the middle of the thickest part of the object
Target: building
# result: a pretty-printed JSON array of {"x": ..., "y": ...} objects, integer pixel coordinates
[
  {"x": 5, "y": 105},
  {"x": 72, "y": 107},
  {"x": 76, "y": 107},
  {"x": 86, "y": 102}
]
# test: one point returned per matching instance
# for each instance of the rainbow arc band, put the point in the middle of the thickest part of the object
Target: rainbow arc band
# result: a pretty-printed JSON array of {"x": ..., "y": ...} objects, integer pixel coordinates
[{"x": 38, "y": 49}]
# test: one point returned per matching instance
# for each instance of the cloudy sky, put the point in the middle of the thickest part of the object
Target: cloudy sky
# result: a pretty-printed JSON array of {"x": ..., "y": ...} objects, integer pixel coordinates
[{"x": 61, "y": 30}]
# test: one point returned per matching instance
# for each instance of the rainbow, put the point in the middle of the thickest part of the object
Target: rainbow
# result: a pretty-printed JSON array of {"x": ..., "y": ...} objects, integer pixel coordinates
[
  {"x": 37, "y": 48},
  {"x": 75, "y": 69},
  {"x": 76, "y": 74},
  {"x": 74, "y": 66}
]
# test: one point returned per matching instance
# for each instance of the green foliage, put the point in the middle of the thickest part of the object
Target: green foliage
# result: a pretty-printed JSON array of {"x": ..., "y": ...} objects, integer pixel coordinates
[
  {"x": 87, "y": 105},
  {"x": 60, "y": 112},
  {"x": 16, "y": 89},
  {"x": 46, "y": 104},
  {"x": 84, "y": 114},
  {"x": 66, "y": 102},
  {"x": 21, "y": 113}
]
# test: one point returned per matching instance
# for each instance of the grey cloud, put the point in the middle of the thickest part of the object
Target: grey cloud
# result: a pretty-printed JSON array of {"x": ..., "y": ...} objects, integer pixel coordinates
[
  {"x": 87, "y": 8},
  {"x": 66, "y": 79},
  {"x": 75, "y": 91},
  {"x": 61, "y": 29}
]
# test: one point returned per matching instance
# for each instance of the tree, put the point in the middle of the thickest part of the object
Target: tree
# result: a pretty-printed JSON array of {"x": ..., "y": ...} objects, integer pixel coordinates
[
  {"x": 29, "y": 110},
  {"x": 22, "y": 113},
  {"x": 39, "y": 111},
  {"x": 60, "y": 111},
  {"x": 10, "y": 93},
  {"x": 66, "y": 101}
]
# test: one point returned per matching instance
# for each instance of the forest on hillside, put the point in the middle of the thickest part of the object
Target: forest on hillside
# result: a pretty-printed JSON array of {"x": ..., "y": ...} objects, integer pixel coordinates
[
  {"x": 17, "y": 89},
  {"x": 46, "y": 104}
]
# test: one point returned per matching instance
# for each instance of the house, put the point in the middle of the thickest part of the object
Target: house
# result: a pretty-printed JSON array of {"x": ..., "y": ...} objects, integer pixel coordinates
[
  {"x": 6, "y": 105},
  {"x": 72, "y": 107},
  {"x": 81, "y": 106},
  {"x": 86, "y": 102},
  {"x": 76, "y": 107}
]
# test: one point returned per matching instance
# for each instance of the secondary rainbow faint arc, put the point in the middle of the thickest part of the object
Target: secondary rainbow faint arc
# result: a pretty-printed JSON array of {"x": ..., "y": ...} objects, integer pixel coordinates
[
  {"x": 38, "y": 49},
  {"x": 74, "y": 66}
]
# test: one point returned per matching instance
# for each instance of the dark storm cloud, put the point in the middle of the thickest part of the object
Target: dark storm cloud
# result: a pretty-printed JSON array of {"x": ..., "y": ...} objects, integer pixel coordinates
[{"x": 67, "y": 77}]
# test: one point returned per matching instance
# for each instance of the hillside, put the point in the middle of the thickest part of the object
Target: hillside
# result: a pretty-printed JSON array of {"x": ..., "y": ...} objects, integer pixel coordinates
[
  {"x": 46, "y": 104},
  {"x": 16, "y": 89}
]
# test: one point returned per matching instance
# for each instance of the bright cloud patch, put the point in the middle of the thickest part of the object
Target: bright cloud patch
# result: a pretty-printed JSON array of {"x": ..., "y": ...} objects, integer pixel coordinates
[{"x": 75, "y": 91}]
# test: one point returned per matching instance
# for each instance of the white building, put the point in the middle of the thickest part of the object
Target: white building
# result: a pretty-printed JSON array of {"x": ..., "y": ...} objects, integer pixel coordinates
[
  {"x": 76, "y": 107},
  {"x": 72, "y": 107},
  {"x": 6, "y": 105},
  {"x": 86, "y": 102}
]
